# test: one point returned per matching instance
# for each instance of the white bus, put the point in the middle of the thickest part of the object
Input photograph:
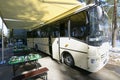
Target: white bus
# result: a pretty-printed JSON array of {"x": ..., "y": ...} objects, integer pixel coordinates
[{"x": 79, "y": 39}]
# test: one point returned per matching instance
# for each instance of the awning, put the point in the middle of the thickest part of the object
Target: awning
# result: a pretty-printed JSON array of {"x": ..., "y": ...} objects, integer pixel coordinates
[{"x": 29, "y": 14}]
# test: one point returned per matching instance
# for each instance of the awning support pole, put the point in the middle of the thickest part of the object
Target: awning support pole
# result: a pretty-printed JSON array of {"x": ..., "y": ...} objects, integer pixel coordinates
[{"x": 3, "y": 61}]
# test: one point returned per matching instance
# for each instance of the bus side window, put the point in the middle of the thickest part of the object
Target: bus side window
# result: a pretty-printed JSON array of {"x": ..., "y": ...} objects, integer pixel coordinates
[
  {"x": 82, "y": 31},
  {"x": 62, "y": 29},
  {"x": 75, "y": 32},
  {"x": 87, "y": 31},
  {"x": 79, "y": 32}
]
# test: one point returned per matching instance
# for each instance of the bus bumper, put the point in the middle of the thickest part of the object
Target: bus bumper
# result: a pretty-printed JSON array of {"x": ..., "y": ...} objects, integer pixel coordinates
[{"x": 98, "y": 58}]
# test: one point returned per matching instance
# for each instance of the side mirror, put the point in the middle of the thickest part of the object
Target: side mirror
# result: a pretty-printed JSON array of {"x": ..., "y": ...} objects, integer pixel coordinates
[{"x": 100, "y": 12}]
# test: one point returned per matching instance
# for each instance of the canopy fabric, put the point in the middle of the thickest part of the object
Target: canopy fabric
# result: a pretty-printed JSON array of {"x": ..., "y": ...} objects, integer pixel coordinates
[{"x": 29, "y": 14}]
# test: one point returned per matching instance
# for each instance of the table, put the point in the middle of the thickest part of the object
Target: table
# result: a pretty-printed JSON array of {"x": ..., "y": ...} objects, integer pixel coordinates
[
  {"x": 21, "y": 60},
  {"x": 21, "y": 51},
  {"x": 17, "y": 50}
]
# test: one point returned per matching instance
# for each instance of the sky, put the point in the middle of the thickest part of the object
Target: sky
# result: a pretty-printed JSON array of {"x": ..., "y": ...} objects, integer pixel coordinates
[{"x": 4, "y": 27}]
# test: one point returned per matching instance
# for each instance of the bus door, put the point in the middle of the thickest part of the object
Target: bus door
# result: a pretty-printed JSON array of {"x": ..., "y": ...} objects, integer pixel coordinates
[
  {"x": 59, "y": 32},
  {"x": 50, "y": 44},
  {"x": 61, "y": 35},
  {"x": 55, "y": 37}
]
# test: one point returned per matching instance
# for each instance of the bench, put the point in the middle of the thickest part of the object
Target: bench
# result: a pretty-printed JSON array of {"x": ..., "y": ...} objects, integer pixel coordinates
[{"x": 42, "y": 72}]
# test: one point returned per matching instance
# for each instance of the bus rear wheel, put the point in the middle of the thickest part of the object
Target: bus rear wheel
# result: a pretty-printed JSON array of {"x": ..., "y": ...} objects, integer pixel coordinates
[{"x": 68, "y": 60}]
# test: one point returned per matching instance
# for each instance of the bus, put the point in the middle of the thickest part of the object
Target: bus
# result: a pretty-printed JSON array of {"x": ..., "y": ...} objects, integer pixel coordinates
[{"x": 79, "y": 39}]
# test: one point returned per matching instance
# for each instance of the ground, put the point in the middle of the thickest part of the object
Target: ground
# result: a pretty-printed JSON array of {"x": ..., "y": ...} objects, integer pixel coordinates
[
  {"x": 58, "y": 71},
  {"x": 114, "y": 62},
  {"x": 114, "y": 58}
]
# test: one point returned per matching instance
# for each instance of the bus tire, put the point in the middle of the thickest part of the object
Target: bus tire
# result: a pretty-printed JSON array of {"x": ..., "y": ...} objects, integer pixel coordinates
[{"x": 68, "y": 60}]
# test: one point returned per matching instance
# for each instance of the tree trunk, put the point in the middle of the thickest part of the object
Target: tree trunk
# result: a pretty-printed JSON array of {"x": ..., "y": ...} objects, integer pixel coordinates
[{"x": 114, "y": 31}]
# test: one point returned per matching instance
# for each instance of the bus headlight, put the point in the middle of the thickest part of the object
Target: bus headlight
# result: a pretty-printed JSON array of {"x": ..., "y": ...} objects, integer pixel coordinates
[
  {"x": 93, "y": 61},
  {"x": 96, "y": 39}
]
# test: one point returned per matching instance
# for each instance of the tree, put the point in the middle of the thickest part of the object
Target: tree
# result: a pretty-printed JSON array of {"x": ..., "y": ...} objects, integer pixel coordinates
[
  {"x": 112, "y": 12},
  {"x": 114, "y": 24}
]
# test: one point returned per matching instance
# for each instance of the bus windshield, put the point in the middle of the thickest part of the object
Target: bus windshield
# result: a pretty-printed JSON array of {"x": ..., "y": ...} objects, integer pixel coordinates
[{"x": 99, "y": 31}]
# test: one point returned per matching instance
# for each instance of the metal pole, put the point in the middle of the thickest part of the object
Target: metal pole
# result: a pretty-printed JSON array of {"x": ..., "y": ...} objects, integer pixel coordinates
[
  {"x": 69, "y": 22},
  {"x": 2, "y": 62},
  {"x": 2, "y": 43}
]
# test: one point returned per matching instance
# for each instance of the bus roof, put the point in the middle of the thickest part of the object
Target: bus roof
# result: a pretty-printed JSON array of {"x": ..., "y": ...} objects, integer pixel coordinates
[{"x": 28, "y": 14}]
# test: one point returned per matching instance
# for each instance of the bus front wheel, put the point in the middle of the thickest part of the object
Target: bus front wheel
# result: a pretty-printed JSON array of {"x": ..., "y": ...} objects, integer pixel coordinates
[{"x": 68, "y": 60}]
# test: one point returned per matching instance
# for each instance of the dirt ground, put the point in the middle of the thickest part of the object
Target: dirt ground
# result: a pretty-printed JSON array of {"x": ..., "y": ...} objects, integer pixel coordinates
[
  {"x": 57, "y": 71},
  {"x": 114, "y": 58},
  {"x": 114, "y": 63}
]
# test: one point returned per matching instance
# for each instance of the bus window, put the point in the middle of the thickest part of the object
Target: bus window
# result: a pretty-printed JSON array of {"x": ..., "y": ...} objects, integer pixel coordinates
[
  {"x": 35, "y": 34},
  {"x": 30, "y": 34},
  {"x": 79, "y": 25},
  {"x": 64, "y": 29},
  {"x": 54, "y": 30},
  {"x": 43, "y": 32},
  {"x": 39, "y": 33}
]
